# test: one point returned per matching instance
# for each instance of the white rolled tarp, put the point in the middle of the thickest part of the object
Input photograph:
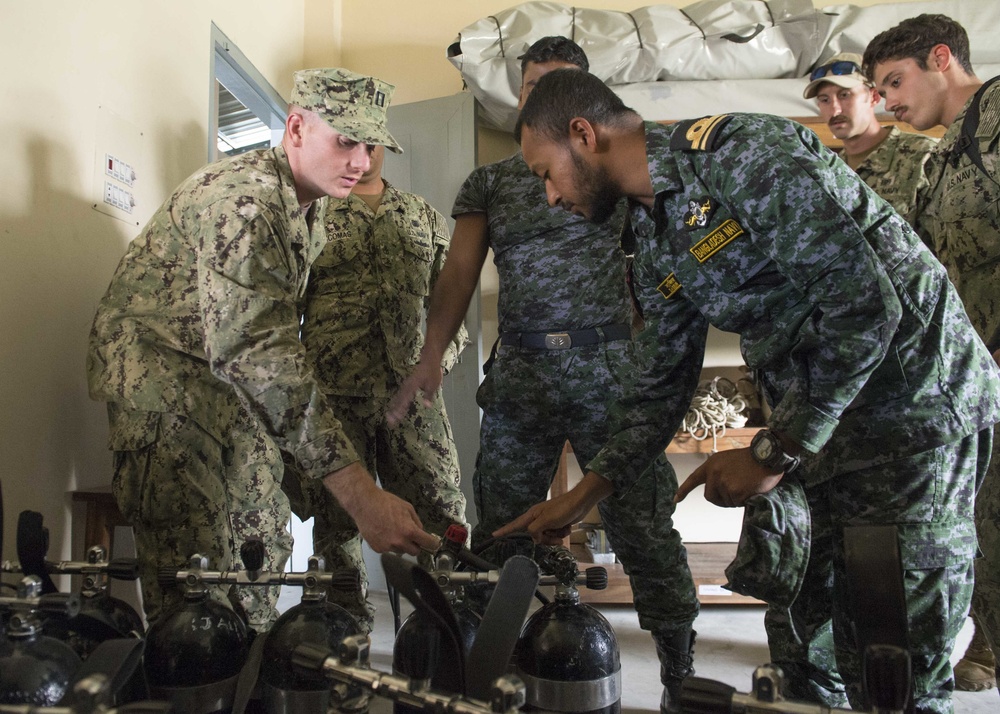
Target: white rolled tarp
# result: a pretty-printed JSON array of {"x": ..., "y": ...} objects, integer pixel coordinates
[{"x": 657, "y": 51}]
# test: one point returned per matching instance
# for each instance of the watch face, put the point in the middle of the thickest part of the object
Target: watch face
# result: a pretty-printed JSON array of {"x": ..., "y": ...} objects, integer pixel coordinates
[
  {"x": 766, "y": 451},
  {"x": 764, "y": 448}
]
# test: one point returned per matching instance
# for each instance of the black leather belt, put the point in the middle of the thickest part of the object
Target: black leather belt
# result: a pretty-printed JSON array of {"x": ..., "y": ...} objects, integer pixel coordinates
[{"x": 565, "y": 340}]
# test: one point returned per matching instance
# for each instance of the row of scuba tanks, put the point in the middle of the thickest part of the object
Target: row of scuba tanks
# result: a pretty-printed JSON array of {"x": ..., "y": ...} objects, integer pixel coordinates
[
  {"x": 468, "y": 647},
  {"x": 465, "y": 647}
]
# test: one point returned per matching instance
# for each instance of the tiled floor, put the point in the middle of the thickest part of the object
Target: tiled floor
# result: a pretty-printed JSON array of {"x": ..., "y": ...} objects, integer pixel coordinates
[{"x": 731, "y": 643}]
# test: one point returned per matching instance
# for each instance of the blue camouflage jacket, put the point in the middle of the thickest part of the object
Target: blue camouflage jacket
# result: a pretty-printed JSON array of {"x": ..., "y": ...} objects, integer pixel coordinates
[{"x": 860, "y": 342}]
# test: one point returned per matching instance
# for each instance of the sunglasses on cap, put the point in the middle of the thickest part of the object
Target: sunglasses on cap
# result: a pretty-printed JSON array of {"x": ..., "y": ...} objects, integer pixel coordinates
[{"x": 835, "y": 68}]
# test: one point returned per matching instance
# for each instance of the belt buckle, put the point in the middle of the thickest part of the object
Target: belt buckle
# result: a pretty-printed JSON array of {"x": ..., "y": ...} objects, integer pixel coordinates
[{"x": 558, "y": 341}]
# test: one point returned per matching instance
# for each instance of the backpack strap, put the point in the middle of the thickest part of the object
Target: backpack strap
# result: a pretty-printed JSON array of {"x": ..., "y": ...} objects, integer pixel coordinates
[{"x": 967, "y": 143}]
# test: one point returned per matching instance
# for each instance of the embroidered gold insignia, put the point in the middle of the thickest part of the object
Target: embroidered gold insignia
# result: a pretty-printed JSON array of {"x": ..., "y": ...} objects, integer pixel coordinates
[
  {"x": 669, "y": 286},
  {"x": 716, "y": 240},
  {"x": 699, "y": 212},
  {"x": 698, "y": 134}
]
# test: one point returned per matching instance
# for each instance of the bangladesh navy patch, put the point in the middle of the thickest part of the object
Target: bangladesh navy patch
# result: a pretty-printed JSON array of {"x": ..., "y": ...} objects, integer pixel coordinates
[
  {"x": 716, "y": 240},
  {"x": 669, "y": 286},
  {"x": 698, "y": 134},
  {"x": 699, "y": 212}
]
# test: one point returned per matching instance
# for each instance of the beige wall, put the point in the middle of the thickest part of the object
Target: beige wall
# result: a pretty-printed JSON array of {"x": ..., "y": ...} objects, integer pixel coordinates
[{"x": 323, "y": 24}]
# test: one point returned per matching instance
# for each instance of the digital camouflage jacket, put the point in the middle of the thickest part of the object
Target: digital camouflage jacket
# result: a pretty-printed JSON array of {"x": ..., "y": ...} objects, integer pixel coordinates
[
  {"x": 202, "y": 314},
  {"x": 368, "y": 293},
  {"x": 859, "y": 340},
  {"x": 962, "y": 218}
]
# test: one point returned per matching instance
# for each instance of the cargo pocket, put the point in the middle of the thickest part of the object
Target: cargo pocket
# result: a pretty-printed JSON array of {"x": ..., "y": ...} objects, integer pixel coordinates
[
  {"x": 176, "y": 480},
  {"x": 131, "y": 436}
]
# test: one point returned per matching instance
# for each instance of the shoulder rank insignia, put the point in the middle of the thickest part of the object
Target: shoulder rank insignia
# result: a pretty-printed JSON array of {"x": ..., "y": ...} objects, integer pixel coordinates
[
  {"x": 698, "y": 134},
  {"x": 699, "y": 213}
]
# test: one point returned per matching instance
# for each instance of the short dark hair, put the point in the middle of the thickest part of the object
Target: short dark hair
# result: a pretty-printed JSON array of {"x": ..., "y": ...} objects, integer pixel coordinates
[
  {"x": 914, "y": 38},
  {"x": 555, "y": 48},
  {"x": 563, "y": 94}
]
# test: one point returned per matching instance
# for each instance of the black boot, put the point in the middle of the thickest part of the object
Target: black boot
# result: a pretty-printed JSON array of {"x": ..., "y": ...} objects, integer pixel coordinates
[{"x": 676, "y": 653}]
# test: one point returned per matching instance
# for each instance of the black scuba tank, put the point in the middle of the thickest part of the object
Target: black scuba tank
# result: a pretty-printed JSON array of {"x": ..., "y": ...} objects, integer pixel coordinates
[
  {"x": 102, "y": 616},
  {"x": 314, "y": 621},
  {"x": 195, "y": 652},
  {"x": 34, "y": 668},
  {"x": 567, "y": 653},
  {"x": 422, "y": 650}
]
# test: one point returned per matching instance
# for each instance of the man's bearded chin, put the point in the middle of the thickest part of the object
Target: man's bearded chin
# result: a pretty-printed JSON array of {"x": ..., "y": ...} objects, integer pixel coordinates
[
  {"x": 604, "y": 206},
  {"x": 598, "y": 191}
]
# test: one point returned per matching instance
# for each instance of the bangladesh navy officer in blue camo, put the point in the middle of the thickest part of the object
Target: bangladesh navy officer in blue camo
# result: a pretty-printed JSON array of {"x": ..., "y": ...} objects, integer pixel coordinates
[
  {"x": 891, "y": 161},
  {"x": 195, "y": 348},
  {"x": 922, "y": 66},
  {"x": 362, "y": 330},
  {"x": 883, "y": 400},
  {"x": 565, "y": 352}
]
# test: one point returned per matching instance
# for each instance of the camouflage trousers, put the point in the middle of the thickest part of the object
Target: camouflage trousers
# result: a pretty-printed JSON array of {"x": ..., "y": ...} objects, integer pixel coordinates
[
  {"x": 184, "y": 491},
  {"x": 533, "y": 402},
  {"x": 415, "y": 460},
  {"x": 929, "y": 498},
  {"x": 986, "y": 594}
]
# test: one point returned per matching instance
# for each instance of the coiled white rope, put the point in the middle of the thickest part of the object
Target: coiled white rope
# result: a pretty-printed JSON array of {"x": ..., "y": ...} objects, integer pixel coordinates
[{"x": 717, "y": 404}]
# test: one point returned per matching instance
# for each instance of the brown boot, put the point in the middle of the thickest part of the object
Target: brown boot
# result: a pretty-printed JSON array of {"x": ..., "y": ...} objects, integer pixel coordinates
[{"x": 976, "y": 671}]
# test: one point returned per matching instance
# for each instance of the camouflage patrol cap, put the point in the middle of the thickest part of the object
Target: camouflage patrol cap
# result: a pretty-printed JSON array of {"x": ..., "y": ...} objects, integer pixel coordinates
[
  {"x": 352, "y": 104},
  {"x": 773, "y": 551}
]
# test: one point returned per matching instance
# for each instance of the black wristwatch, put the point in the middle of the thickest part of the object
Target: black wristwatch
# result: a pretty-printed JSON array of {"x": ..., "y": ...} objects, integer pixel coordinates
[{"x": 766, "y": 450}]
